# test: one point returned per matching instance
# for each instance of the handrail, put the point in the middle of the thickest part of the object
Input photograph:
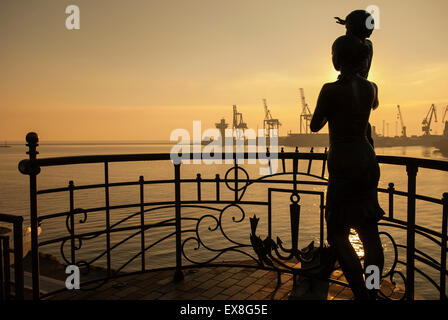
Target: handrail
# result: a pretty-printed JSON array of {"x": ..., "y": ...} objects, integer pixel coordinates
[{"x": 90, "y": 159}]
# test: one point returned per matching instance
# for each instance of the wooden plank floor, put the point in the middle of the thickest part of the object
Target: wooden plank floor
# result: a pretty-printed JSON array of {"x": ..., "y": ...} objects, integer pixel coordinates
[{"x": 211, "y": 283}]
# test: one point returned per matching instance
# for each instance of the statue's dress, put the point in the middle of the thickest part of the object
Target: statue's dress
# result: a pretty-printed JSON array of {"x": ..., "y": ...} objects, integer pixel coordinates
[{"x": 352, "y": 197}]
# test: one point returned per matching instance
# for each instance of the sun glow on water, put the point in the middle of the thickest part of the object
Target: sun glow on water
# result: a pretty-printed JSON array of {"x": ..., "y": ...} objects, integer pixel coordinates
[{"x": 356, "y": 243}]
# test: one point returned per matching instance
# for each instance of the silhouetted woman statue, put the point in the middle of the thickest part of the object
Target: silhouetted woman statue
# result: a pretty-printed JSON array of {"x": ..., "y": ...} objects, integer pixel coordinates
[
  {"x": 352, "y": 199},
  {"x": 360, "y": 24}
]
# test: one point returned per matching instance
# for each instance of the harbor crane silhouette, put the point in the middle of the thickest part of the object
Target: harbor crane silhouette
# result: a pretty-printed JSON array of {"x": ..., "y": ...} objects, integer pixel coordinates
[
  {"x": 426, "y": 123},
  {"x": 403, "y": 127},
  {"x": 306, "y": 115},
  {"x": 269, "y": 123},
  {"x": 238, "y": 122}
]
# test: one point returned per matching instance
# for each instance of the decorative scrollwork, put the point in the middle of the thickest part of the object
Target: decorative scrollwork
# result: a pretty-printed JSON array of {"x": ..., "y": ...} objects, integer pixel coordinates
[
  {"x": 216, "y": 224},
  {"x": 242, "y": 188},
  {"x": 77, "y": 239},
  {"x": 392, "y": 271}
]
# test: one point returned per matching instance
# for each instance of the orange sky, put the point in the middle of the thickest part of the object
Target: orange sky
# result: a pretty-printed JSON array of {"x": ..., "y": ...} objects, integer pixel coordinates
[{"x": 138, "y": 69}]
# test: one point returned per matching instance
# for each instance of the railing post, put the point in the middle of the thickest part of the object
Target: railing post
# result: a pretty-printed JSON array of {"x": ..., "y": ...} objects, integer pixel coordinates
[
  {"x": 142, "y": 221},
  {"x": 32, "y": 169},
  {"x": 411, "y": 170},
  {"x": 178, "y": 275},
  {"x": 443, "y": 247}
]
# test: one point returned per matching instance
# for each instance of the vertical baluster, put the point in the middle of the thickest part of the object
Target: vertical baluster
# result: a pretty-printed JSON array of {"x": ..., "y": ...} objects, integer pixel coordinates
[
  {"x": 142, "y": 221},
  {"x": 18, "y": 259},
  {"x": 268, "y": 154},
  {"x": 391, "y": 190},
  {"x": 283, "y": 160},
  {"x": 411, "y": 170},
  {"x": 236, "y": 180},
  {"x": 178, "y": 275},
  {"x": 310, "y": 161},
  {"x": 324, "y": 162},
  {"x": 2, "y": 282},
  {"x": 443, "y": 247},
  {"x": 269, "y": 214},
  {"x": 218, "y": 197},
  {"x": 71, "y": 187},
  {"x": 107, "y": 200},
  {"x": 198, "y": 181},
  {"x": 6, "y": 266},
  {"x": 322, "y": 217},
  {"x": 295, "y": 167}
]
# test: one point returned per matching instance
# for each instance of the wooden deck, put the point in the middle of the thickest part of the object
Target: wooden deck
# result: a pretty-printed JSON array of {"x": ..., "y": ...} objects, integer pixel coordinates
[{"x": 216, "y": 283}]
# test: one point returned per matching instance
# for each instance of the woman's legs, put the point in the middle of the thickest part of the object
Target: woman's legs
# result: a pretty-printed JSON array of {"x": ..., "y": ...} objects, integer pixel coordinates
[
  {"x": 373, "y": 249},
  {"x": 338, "y": 237}
]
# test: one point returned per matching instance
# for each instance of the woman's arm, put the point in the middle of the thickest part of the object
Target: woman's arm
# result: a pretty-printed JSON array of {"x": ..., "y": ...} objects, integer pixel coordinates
[
  {"x": 369, "y": 135},
  {"x": 375, "y": 96},
  {"x": 320, "y": 113},
  {"x": 374, "y": 106}
]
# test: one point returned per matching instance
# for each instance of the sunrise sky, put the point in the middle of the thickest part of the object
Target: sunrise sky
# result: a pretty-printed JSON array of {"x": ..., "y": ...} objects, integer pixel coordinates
[{"x": 138, "y": 69}]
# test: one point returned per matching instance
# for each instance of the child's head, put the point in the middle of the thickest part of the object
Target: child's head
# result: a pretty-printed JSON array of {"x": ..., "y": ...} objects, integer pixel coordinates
[
  {"x": 350, "y": 54},
  {"x": 358, "y": 23}
]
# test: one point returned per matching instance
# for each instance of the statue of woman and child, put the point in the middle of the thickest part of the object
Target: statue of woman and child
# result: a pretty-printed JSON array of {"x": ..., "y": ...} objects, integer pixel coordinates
[{"x": 352, "y": 199}]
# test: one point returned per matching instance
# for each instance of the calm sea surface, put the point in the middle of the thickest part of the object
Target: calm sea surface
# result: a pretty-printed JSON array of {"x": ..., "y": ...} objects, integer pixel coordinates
[{"x": 14, "y": 199}]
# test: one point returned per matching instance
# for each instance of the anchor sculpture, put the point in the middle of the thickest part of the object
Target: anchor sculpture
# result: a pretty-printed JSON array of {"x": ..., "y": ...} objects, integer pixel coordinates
[{"x": 311, "y": 261}]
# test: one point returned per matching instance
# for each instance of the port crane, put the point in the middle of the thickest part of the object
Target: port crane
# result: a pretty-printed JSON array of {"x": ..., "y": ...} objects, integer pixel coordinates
[
  {"x": 426, "y": 123},
  {"x": 306, "y": 115},
  {"x": 269, "y": 123},
  {"x": 222, "y": 126},
  {"x": 444, "y": 114},
  {"x": 238, "y": 122},
  {"x": 445, "y": 130},
  {"x": 403, "y": 127}
]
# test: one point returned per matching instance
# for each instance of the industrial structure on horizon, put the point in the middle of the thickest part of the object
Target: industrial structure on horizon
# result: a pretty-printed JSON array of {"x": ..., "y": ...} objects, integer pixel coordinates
[{"x": 306, "y": 138}]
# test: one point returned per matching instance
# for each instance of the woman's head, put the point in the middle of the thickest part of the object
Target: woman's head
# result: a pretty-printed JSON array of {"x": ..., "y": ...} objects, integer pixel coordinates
[{"x": 350, "y": 54}]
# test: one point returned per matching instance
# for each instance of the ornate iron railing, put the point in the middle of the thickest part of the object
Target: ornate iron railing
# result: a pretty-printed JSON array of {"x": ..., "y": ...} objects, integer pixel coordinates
[
  {"x": 217, "y": 208},
  {"x": 5, "y": 262}
]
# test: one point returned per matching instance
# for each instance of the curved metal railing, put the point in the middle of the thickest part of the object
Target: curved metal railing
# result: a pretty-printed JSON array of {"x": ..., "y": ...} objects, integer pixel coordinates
[{"x": 217, "y": 208}]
